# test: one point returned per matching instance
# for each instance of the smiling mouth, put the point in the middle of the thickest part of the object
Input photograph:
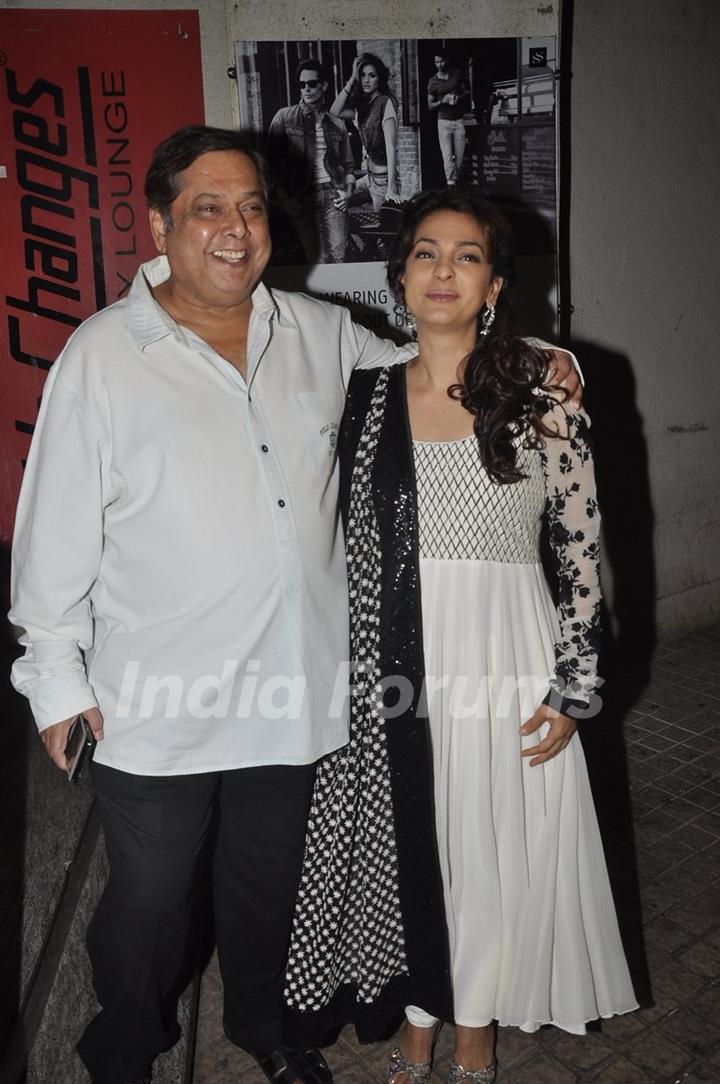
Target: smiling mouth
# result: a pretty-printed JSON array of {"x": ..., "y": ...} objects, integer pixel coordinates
[
  {"x": 442, "y": 295},
  {"x": 231, "y": 255}
]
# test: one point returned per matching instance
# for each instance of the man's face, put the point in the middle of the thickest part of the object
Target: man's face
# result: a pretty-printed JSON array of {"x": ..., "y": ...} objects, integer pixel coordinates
[
  {"x": 219, "y": 243},
  {"x": 311, "y": 89},
  {"x": 441, "y": 63}
]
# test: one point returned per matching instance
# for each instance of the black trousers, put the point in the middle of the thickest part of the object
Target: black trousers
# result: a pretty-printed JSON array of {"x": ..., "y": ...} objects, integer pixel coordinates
[{"x": 155, "y": 831}]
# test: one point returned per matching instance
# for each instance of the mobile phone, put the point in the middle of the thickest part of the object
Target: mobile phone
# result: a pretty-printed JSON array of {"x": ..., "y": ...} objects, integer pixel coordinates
[{"x": 79, "y": 748}]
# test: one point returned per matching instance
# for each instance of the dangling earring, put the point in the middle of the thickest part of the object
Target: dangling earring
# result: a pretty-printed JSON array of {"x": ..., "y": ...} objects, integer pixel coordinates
[
  {"x": 405, "y": 317},
  {"x": 486, "y": 320}
]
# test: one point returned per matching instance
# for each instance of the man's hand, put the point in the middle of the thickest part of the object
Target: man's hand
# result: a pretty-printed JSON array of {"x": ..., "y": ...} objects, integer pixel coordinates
[
  {"x": 343, "y": 197},
  {"x": 55, "y": 737},
  {"x": 562, "y": 728},
  {"x": 562, "y": 373}
]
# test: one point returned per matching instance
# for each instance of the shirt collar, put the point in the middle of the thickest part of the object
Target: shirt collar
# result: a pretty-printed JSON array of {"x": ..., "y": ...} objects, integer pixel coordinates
[
  {"x": 319, "y": 114},
  {"x": 266, "y": 307},
  {"x": 149, "y": 321}
]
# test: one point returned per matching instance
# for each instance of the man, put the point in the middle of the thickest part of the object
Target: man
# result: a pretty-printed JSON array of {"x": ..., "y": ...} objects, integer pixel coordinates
[
  {"x": 448, "y": 97},
  {"x": 309, "y": 150},
  {"x": 180, "y": 579},
  {"x": 177, "y": 524}
]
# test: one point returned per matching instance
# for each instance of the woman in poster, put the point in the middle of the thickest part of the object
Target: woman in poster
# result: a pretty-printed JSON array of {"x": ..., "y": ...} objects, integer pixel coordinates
[
  {"x": 366, "y": 99},
  {"x": 454, "y": 865}
]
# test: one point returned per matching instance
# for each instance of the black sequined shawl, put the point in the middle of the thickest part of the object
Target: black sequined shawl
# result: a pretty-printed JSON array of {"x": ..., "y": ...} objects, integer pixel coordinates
[{"x": 370, "y": 934}]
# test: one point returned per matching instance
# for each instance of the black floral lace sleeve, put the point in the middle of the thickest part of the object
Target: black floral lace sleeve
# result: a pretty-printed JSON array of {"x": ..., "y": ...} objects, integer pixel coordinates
[{"x": 573, "y": 520}]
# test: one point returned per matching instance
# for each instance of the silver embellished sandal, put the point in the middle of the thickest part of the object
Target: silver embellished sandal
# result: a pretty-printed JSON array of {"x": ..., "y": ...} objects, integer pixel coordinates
[
  {"x": 416, "y": 1072},
  {"x": 459, "y": 1075}
]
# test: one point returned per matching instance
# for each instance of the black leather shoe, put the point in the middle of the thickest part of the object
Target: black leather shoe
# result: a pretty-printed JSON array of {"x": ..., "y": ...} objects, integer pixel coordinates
[
  {"x": 277, "y": 1066},
  {"x": 286, "y": 1066},
  {"x": 314, "y": 1068}
]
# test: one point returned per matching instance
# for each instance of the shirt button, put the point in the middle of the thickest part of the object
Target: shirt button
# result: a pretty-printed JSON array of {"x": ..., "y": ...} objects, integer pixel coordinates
[
  {"x": 281, "y": 503},
  {"x": 264, "y": 448}
]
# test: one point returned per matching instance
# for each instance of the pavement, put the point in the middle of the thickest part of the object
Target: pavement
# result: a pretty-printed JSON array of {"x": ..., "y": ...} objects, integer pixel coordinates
[{"x": 654, "y": 762}]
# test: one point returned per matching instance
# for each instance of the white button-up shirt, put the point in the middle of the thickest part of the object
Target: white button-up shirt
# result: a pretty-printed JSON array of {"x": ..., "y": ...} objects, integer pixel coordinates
[{"x": 178, "y": 556}]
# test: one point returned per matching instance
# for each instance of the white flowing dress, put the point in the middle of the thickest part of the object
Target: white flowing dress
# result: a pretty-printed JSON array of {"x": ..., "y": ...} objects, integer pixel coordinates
[{"x": 533, "y": 933}]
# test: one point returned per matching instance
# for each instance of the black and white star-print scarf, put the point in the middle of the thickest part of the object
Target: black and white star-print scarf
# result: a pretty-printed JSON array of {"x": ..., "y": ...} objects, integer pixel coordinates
[{"x": 348, "y": 925}]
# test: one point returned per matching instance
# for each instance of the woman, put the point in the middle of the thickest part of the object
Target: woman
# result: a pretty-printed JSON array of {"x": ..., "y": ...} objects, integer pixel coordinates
[
  {"x": 451, "y": 464},
  {"x": 367, "y": 100}
]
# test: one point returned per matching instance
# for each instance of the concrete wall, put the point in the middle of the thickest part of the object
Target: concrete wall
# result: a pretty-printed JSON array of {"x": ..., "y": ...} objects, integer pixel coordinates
[
  {"x": 645, "y": 266},
  {"x": 368, "y": 19}
]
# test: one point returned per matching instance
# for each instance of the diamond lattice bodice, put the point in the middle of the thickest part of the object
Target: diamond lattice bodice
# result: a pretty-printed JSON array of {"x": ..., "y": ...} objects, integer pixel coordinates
[{"x": 463, "y": 514}]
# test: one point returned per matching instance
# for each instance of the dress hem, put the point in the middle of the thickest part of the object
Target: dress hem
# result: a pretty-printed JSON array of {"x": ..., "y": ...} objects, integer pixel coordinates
[{"x": 530, "y": 1026}]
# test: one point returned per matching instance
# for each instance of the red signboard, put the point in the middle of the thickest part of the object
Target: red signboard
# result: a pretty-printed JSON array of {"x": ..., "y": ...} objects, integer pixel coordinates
[{"x": 85, "y": 96}]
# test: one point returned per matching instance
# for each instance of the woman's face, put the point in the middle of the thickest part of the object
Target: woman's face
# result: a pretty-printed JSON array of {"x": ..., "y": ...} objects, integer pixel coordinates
[
  {"x": 369, "y": 79},
  {"x": 448, "y": 276}
]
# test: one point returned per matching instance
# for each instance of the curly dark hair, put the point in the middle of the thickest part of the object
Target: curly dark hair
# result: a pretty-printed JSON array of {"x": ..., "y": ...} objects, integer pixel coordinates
[{"x": 503, "y": 379}]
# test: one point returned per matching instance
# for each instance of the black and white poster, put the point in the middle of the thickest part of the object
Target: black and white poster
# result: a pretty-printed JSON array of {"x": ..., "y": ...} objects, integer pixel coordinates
[{"x": 354, "y": 128}]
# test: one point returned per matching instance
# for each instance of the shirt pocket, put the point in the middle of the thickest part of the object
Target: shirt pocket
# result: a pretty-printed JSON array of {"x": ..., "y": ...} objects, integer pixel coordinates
[{"x": 321, "y": 412}]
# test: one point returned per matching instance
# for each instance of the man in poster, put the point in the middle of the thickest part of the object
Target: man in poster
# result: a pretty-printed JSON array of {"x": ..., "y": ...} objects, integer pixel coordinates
[
  {"x": 447, "y": 97},
  {"x": 310, "y": 154}
]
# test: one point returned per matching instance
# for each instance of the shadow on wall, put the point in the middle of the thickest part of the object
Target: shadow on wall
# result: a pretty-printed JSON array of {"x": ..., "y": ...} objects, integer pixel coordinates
[
  {"x": 13, "y": 774},
  {"x": 628, "y": 522},
  {"x": 621, "y": 467}
]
